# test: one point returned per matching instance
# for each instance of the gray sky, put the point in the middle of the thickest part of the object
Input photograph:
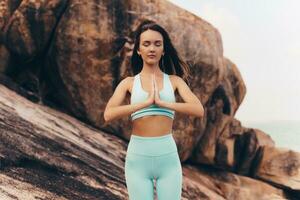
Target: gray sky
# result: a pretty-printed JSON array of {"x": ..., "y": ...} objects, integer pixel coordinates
[{"x": 262, "y": 39}]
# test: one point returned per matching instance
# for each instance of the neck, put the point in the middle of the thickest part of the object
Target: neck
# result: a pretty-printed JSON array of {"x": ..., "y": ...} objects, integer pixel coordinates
[{"x": 151, "y": 69}]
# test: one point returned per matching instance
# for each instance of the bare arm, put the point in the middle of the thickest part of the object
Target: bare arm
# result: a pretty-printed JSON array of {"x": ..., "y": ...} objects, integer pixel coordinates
[
  {"x": 192, "y": 104},
  {"x": 114, "y": 110}
]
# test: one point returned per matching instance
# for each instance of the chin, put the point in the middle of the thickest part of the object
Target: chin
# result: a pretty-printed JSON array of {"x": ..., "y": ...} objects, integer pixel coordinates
[{"x": 152, "y": 61}]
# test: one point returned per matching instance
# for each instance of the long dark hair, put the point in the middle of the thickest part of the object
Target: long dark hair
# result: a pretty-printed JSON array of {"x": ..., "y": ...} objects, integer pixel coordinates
[{"x": 170, "y": 62}]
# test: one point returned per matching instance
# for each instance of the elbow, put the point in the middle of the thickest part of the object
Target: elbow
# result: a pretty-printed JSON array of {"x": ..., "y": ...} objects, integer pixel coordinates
[
  {"x": 106, "y": 117},
  {"x": 201, "y": 113}
]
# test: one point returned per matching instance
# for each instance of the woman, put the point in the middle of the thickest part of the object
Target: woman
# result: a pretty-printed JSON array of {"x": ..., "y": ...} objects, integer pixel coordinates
[{"x": 152, "y": 151}]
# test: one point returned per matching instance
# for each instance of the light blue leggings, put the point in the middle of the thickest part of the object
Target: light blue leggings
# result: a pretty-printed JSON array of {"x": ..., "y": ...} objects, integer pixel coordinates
[{"x": 150, "y": 158}]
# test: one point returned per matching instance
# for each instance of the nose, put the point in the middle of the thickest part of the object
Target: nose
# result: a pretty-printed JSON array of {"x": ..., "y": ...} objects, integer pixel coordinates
[{"x": 152, "y": 48}]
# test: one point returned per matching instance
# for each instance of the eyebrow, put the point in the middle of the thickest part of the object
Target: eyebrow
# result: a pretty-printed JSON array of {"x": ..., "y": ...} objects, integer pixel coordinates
[{"x": 150, "y": 41}]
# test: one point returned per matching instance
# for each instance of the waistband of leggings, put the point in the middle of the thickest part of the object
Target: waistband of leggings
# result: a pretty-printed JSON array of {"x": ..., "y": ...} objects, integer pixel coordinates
[
  {"x": 152, "y": 146},
  {"x": 151, "y": 137}
]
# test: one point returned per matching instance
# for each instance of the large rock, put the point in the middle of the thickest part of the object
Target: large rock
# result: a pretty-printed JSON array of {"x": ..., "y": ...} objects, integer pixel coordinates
[
  {"x": 4, "y": 59},
  {"x": 87, "y": 56},
  {"x": 76, "y": 52},
  {"x": 7, "y": 7},
  {"x": 26, "y": 28},
  {"x": 45, "y": 150},
  {"x": 92, "y": 56},
  {"x": 46, "y": 154},
  {"x": 221, "y": 107},
  {"x": 222, "y": 185},
  {"x": 280, "y": 166},
  {"x": 29, "y": 29},
  {"x": 248, "y": 148}
]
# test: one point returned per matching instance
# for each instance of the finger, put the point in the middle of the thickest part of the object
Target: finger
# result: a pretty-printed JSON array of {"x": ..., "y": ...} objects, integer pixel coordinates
[
  {"x": 153, "y": 83},
  {"x": 152, "y": 86}
]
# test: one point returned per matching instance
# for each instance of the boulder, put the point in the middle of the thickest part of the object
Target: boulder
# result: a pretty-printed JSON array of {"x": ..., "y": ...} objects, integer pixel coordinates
[
  {"x": 280, "y": 166},
  {"x": 47, "y": 154}
]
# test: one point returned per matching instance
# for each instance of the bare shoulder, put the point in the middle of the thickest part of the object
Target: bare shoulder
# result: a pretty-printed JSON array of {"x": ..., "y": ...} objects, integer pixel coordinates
[
  {"x": 175, "y": 80},
  {"x": 174, "y": 76},
  {"x": 129, "y": 82}
]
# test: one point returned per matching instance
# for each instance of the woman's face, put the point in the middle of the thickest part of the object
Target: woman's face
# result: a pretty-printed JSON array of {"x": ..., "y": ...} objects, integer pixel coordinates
[{"x": 151, "y": 43}]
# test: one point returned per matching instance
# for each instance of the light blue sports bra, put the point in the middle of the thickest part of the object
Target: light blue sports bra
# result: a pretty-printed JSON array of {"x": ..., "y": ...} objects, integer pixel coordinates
[{"x": 138, "y": 94}]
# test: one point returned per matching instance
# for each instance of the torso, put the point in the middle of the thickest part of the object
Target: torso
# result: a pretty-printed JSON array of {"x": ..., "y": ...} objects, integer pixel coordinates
[{"x": 147, "y": 125}]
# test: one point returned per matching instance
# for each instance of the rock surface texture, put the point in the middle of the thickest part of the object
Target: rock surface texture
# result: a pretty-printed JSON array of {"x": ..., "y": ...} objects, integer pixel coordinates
[
  {"x": 60, "y": 61},
  {"x": 47, "y": 154}
]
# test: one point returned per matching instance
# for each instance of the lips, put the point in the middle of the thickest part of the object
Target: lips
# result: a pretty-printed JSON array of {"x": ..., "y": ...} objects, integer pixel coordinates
[{"x": 151, "y": 56}]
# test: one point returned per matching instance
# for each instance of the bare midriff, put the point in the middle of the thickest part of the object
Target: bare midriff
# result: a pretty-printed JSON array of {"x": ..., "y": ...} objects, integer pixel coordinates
[{"x": 152, "y": 125}]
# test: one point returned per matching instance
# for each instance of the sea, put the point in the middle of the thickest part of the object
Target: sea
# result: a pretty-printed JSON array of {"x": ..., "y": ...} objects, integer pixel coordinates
[{"x": 285, "y": 133}]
